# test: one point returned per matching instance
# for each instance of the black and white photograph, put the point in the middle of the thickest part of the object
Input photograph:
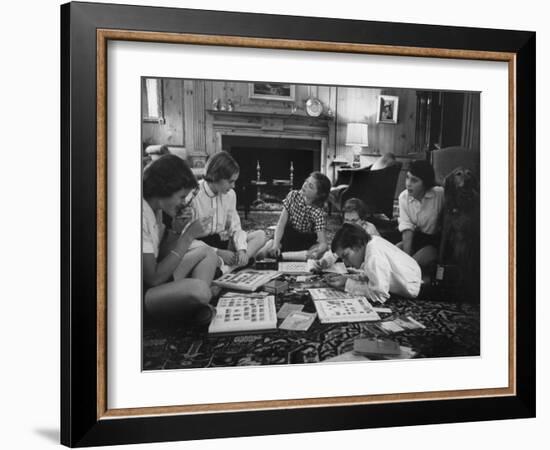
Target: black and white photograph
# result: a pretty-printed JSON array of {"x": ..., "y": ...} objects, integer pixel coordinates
[
  {"x": 387, "y": 109},
  {"x": 271, "y": 237}
]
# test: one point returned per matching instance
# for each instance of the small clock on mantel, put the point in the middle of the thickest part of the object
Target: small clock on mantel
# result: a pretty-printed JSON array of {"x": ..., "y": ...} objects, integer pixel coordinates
[{"x": 314, "y": 107}]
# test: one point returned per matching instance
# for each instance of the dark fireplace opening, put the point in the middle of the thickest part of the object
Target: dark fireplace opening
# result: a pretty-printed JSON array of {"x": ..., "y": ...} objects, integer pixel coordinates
[{"x": 282, "y": 164}]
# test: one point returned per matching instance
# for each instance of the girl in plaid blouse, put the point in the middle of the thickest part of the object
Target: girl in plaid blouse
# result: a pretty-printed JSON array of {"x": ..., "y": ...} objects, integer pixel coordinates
[{"x": 302, "y": 224}]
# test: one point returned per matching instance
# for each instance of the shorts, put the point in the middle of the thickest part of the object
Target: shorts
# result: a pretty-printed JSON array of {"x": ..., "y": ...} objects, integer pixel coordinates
[
  {"x": 421, "y": 240},
  {"x": 295, "y": 240},
  {"x": 214, "y": 240}
]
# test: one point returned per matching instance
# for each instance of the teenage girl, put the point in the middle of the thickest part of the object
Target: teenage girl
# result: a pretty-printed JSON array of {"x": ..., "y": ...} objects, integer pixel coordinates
[
  {"x": 420, "y": 210},
  {"x": 216, "y": 199},
  {"x": 166, "y": 183},
  {"x": 302, "y": 223}
]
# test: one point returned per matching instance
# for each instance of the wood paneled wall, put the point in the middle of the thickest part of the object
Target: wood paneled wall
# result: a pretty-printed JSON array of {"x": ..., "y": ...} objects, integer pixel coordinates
[
  {"x": 188, "y": 123},
  {"x": 238, "y": 93},
  {"x": 361, "y": 104}
]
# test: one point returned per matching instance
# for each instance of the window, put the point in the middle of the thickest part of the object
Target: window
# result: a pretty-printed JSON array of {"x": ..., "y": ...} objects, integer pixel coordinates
[{"x": 152, "y": 105}]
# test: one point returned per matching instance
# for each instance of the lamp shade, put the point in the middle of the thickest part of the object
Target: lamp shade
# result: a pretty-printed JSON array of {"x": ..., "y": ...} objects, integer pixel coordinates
[{"x": 357, "y": 134}]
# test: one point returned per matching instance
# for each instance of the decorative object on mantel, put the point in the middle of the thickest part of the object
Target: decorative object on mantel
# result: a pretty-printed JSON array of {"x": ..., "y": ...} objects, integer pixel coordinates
[
  {"x": 357, "y": 136},
  {"x": 387, "y": 109},
  {"x": 216, "y": 104},
  {"x": 271, "y": 91},
  {"x": 229, "y": 105},
  {"x": 314, "y": 107}
]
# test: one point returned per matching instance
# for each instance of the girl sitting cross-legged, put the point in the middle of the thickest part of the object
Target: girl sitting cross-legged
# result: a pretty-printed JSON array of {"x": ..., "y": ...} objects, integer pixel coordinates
[
  {"x": 217, "y": 199},
  {"x": 383, "y": 268},
  {"x": 302, "y": 223},
  {"x": 166, "y": 183}
]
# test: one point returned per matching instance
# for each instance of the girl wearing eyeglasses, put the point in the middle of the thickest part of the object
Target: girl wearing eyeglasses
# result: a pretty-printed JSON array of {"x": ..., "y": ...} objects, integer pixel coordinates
[{"x": 176, "y": 278}]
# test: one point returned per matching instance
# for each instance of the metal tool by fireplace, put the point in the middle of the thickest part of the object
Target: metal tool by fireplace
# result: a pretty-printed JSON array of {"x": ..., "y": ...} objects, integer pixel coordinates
[{"x": 259, "y": 183}]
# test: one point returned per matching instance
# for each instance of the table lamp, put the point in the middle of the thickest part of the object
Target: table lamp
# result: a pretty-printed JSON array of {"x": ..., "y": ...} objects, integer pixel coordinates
[{"x": 358, "y": 137}]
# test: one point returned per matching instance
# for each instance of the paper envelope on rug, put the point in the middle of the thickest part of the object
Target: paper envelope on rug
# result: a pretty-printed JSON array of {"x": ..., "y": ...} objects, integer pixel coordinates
[
  {"x": 288, "y": 308},
  {"x": 298, "y": 321}
]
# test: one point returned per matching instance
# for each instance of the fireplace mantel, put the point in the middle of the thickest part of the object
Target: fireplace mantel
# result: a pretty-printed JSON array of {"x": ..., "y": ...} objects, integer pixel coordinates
[
  {"x": 283, "y": 114},
  {"x": 270, "y": 124},
  {"x": 270, "y": 120}
]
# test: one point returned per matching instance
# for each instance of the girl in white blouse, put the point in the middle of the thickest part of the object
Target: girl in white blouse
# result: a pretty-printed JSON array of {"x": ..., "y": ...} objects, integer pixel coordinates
[
  {"x": 420, "y": 210},
  {"x": 216, "y": 199}
]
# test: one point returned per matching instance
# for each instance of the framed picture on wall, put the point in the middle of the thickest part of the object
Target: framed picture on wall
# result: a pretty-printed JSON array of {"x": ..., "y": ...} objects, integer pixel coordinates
[
  {"x": 107, "y": 397},
  {"x": 388, "y": 106},
  {"x": 271, "y": 91}
]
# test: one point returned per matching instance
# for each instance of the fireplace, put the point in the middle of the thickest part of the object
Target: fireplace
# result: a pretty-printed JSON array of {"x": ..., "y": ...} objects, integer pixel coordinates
[
  {"x": 286, "y": 147},
  {"x": 278, "y": 164}
]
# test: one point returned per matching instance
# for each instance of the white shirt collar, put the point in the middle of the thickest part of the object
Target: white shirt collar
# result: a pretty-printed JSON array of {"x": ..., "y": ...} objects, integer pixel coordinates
[
  {"x": 428, "y": 194},
  {"x": 208, "y": 190}
]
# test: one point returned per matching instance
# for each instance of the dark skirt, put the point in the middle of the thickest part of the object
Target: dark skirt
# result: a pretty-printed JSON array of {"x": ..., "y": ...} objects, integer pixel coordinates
[
  {"x": 421, "y": 240},
  {"x": 214, "y": 240},
  {"x": 295, "y": 240}
]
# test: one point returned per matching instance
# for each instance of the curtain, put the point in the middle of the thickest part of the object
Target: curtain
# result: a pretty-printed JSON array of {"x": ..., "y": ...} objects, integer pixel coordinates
[{"x": 470, "y": 121}]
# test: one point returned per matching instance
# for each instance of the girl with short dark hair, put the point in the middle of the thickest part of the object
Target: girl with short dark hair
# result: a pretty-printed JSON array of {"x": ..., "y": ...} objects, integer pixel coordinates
[
  {"x": 420, "y": 208},
  {"x": 167, "y": 182},
  {"x": 302, "y": 223}
]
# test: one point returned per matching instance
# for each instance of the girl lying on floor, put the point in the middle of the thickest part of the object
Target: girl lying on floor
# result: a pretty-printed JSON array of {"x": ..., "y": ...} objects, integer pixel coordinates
[
  {"x": 166, "y": 183},
  {"x": 217, "y": 199},
  {"x": 383, "y": 268},
  {"x": 302, "y": 223}
]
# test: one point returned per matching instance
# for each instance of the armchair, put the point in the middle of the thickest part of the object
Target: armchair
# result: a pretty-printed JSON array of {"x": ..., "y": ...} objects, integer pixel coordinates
[
  {"x": 376, "y": 188},
  {"x": 445, "y": 160}
]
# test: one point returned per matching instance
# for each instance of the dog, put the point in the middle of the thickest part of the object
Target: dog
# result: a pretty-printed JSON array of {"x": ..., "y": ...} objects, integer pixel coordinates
[{"x": 460, "y": 236}]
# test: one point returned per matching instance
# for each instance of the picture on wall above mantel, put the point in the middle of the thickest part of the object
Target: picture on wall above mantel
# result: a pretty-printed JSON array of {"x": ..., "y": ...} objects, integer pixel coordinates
[
  {"x": 271, "y": 91},
  {"x": 387, "y": 109}
]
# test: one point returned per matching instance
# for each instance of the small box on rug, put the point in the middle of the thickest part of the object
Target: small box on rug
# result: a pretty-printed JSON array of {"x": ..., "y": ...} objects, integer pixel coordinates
[
  {"x": 266, "y": 264},
  {"x": 276, "y": 286}
]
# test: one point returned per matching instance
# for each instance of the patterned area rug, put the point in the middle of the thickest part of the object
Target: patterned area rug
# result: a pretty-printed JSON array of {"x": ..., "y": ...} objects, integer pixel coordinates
[{"x": 451, "y": 329}]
